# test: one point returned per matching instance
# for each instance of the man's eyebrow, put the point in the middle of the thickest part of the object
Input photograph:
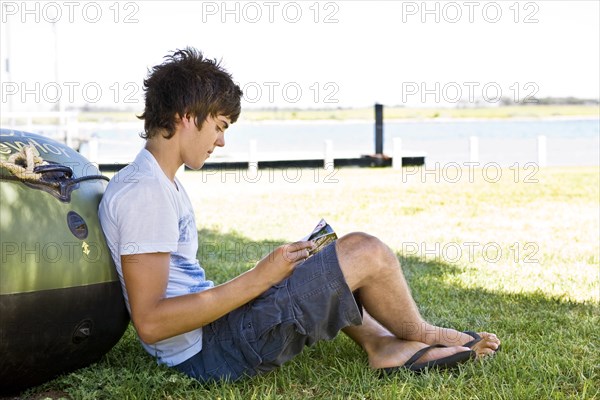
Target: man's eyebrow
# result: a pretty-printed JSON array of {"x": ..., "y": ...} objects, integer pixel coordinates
[{"x": 226, "y": 124}]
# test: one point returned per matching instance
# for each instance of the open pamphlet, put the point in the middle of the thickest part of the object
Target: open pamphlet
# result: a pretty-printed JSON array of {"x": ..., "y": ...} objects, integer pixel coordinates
[{"x": 322, "y": 235}]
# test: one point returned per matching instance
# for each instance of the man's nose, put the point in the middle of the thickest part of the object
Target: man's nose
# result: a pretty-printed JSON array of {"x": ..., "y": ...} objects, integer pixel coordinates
[{"x": 220, "y": 140}]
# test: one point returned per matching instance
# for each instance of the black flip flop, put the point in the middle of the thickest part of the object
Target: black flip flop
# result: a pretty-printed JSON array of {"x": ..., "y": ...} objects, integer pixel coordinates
[{"x": 441, "y": 363}]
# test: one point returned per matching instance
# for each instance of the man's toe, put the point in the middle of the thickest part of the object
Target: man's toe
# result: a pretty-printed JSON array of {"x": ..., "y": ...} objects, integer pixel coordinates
[{"x": 487, "y": 346}]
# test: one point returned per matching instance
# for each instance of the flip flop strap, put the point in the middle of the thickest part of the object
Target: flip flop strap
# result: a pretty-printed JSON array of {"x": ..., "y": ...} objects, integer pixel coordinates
[
  {"x": 421, "y": 353},
  {"x": 476, "y": 339}
]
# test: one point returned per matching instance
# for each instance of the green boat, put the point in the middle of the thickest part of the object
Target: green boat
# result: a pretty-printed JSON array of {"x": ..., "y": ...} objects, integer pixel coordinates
[{"x": 61, "y": 306}]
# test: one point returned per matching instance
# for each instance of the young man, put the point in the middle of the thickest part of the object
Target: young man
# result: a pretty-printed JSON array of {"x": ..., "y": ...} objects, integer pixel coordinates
[{"x": 264, "y": 317}]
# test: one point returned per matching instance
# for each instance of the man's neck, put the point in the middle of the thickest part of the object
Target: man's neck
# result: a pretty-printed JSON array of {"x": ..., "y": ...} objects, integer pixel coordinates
[{"x": 166, "y": 155}]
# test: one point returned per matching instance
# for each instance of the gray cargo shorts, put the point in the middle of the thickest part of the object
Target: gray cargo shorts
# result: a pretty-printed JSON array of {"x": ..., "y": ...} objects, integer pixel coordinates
[{"x": 312, "y": 304}]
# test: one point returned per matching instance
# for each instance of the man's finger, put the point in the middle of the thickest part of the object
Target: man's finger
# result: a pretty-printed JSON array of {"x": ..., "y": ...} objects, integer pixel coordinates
[
  {"x": 297, "y": 251},
  {"x": 298, "y": 246}
]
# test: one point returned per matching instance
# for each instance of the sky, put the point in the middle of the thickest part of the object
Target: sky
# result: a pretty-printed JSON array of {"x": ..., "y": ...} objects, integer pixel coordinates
[{"x": 304, "y": 54}]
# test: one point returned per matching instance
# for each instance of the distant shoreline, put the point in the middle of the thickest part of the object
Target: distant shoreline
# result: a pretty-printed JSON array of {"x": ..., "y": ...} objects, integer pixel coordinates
[
  {"x": 420, "y": 114},
  {"x": 396, "y": 114},
  {"x": 413, "y": 120}
]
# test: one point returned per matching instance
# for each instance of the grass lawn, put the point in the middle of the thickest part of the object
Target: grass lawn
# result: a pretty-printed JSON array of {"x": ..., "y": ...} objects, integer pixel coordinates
[{"x": 517, "y": 255}]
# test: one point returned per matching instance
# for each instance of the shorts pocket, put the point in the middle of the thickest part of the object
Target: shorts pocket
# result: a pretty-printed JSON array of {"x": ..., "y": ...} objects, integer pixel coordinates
[{"x": 279, "y": 344}]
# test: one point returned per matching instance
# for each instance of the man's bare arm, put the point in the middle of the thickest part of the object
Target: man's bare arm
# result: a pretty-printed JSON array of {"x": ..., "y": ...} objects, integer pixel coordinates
[{"x": 156, "y": 317}]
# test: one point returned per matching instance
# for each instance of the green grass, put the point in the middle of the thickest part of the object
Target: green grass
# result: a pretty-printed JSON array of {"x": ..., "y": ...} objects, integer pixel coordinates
[{"x": 541, "y": 296}]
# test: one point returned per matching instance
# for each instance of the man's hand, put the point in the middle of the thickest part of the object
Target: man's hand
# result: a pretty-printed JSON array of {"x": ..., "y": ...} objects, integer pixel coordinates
[{"x": 280, "y": 263}]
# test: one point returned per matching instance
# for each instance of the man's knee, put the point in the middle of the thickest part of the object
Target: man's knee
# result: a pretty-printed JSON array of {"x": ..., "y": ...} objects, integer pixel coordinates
[{"x": 363, "y": 245}]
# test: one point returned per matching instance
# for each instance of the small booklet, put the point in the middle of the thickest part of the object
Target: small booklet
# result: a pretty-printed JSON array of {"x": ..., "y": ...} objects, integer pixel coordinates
[{"x": 322, "y": 235}]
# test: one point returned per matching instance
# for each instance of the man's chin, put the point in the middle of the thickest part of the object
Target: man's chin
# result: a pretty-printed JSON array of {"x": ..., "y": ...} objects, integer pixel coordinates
[{"x": 195, "y": 167}]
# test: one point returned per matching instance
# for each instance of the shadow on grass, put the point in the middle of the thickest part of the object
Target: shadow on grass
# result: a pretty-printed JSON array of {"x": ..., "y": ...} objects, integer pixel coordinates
[{"x": 549, "y": 346}]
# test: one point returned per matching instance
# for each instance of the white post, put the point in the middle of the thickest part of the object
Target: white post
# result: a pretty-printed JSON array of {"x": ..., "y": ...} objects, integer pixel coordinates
[
  {"x": 397, "y": 154},
  {"x": 541, "y": 148},
  {"x": 71, "y": 129},
  {"x": 252, "y": 160},
  {"x": 93, "y": 149},
  {"x": 474, "y": 149},
  {"x": 328, "y": 158},
  {"x": 29, "y": 122},
  {"x": 63, "y": 119}
]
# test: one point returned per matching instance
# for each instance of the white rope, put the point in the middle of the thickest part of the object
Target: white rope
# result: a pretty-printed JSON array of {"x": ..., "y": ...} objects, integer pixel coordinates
[{"x": 22, "y": 163}]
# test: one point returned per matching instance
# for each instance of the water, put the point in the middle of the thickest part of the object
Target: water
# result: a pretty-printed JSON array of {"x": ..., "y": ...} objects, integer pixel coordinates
[{"x": 569, "y": 141}]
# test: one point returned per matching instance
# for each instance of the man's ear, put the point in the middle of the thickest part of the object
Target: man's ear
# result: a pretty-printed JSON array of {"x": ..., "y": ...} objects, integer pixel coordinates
[{"x": 185, "y": 119}]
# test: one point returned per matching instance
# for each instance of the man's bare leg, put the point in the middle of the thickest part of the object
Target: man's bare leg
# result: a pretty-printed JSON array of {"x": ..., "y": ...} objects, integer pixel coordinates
[
  {"x": 370, "y": 267},
  {"x": 385, "y": 350}
]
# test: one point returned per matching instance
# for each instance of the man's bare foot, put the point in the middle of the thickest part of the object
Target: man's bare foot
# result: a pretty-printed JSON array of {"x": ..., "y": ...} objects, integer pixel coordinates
[
  {"x": 392, "y": 352},
  {"x": 488, "y": 345}
]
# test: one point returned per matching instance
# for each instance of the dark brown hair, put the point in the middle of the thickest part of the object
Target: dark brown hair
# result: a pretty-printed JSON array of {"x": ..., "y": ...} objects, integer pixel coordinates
[{"x": 187, "y": 83}]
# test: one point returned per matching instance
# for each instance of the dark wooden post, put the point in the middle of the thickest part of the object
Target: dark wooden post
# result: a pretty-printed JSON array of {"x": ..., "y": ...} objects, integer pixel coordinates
[{"x": 378, "y": 128}]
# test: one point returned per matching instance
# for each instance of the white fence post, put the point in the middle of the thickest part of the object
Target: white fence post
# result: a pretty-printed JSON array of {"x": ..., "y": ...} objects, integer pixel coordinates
[
  {"x": 474, "y": 149},
  {"x": 328, "y": 157},
  {"x": 29, "y": 123},
  {"x": 397, "y": 154},
  {"x": 93, "y": 149},
  {"x": 71, "y": 129},
  {"x": 252, "y": 160},
  {"x": 541, "y": 148}
]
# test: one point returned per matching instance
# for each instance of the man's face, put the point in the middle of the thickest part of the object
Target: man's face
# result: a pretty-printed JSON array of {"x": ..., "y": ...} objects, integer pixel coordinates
[{"x": 198, "y": 144}]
